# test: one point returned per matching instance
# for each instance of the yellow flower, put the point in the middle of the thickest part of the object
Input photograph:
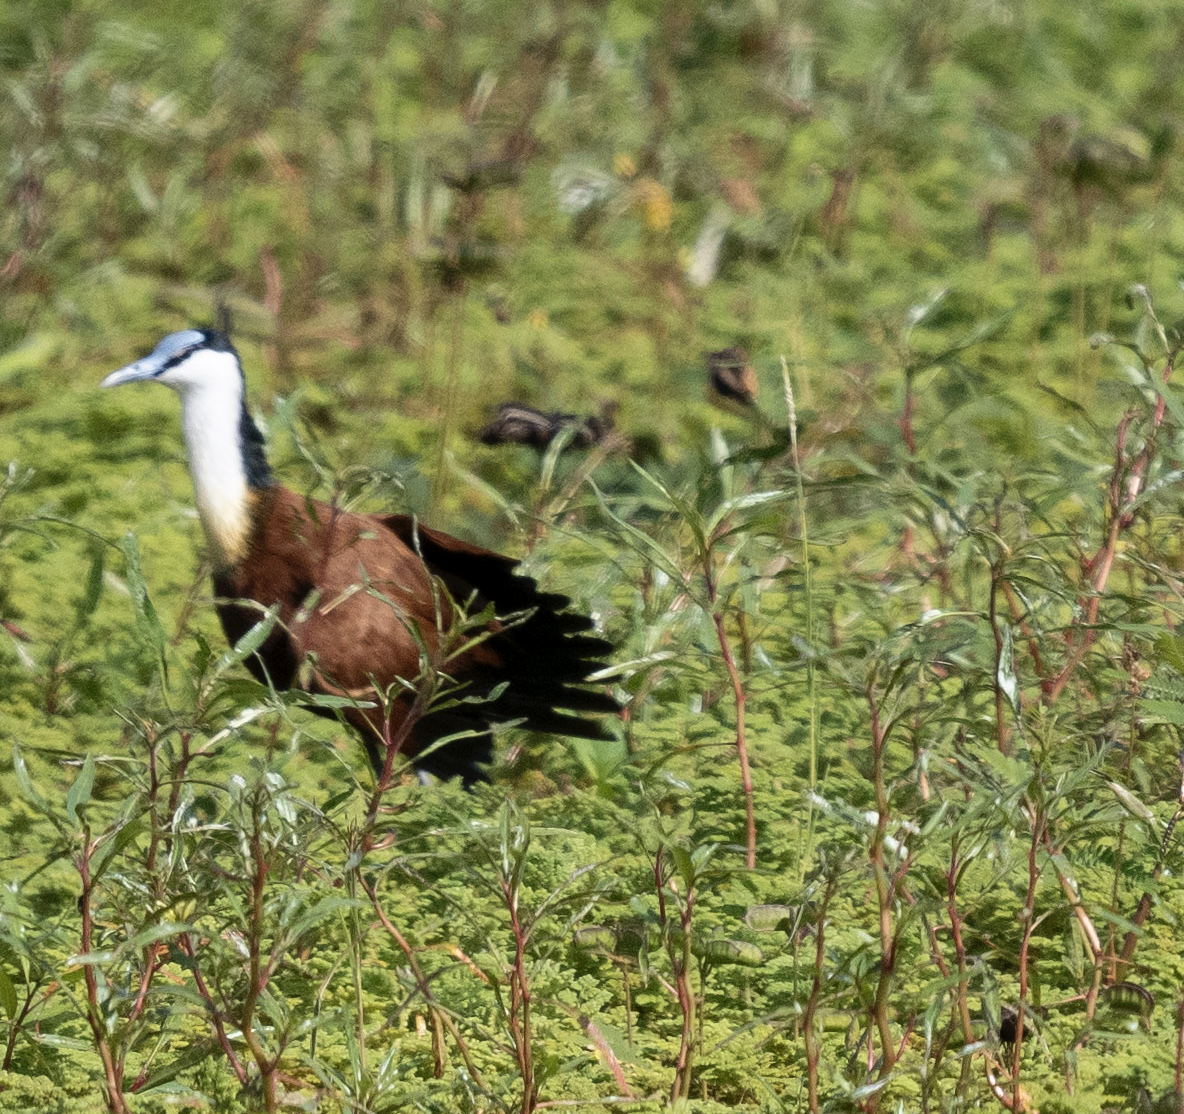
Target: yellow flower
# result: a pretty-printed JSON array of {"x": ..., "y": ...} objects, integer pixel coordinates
[
  {"x": 657, "y": 208},
  {"x": 624, "y": 166}
]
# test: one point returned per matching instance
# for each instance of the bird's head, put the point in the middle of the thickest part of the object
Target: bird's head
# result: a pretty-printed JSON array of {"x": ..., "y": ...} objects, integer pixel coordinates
[
  {"x": 225, "y": 447},
  {"x": 193, "y": 359}
]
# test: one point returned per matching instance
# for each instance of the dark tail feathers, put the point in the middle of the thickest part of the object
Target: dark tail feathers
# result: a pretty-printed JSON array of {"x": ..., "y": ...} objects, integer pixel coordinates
[{"x": 543, "y": 659}]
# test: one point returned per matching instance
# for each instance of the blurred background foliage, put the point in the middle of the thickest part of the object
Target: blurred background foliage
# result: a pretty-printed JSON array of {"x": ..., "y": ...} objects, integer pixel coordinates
[{"x": 413, "y": 211}]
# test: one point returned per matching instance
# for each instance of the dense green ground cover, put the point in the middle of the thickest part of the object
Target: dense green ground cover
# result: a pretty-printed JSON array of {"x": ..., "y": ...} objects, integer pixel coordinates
[{"x": 949, "y": 236}]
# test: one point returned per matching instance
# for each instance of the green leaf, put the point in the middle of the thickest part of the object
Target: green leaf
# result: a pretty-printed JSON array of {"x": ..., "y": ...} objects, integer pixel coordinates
[
  {"x": 643, "y": 543},
  {"x": 1165, "y": 711},
  {"x": 21, "y": 769},
  {"x": 745, "y": 502},
  {"x": 161, "y": 930},
  {"x": 702, "y": 855},
  {"x": 1128, "y": 998},
  {"x": 321, "y": 910},
  {"x": 770, "y": 918},
  {"x": 736, "y": 953},
  {"x": 249, "y": 642},
  {"x": 596, "y": 937},
  {"x": 78, "y": 795},
  {"x": 147, "y": 621},
  {"x": 629, "y": 668},
  {"x": 1134, "y": 806},
  {"x": 187, "y": 1058},
  {"x": 326, "y": 700},
  {"x": 7, "y": 994},
  {"x": 94, "y": 583},
  {"x": 1169, "y": 648},
  {"x": 1005, "y": 671},
  {"x": 684, "y": 864},
  {"x": 112, "y": 843}
]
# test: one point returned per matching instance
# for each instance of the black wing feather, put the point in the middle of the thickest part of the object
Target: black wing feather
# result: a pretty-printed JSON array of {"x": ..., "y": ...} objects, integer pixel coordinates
[{"x": 544, "y": 659}]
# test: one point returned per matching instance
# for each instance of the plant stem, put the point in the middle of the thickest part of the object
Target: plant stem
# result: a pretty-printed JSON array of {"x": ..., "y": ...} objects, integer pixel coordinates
[
  {"x": 884, "y": 897},
  {"x": 257, "y": 976},
  {"x": 739, "y": 696},
  {"x": 1126, "y": 483},
  {"x": 1028, "y": 920},
  {"x": 1002, "y": 731},
  {"x": 807, "y": 588},
  {"x": 813, "y": 1047},
  {"x": 112, "y": 1069},
  {"x": 439, "y": 1017},
  {"x": 520, "y": 1021},
  {"x": 741, "y": 744},
  {"x": 681, "y": 961}
]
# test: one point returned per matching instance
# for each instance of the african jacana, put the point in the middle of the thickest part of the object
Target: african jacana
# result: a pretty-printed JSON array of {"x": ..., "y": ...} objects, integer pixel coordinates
[
  {"x": 364, "y": 600},
  {"x": 731, "y": 375},
  {"x": 516, "y": 424}
]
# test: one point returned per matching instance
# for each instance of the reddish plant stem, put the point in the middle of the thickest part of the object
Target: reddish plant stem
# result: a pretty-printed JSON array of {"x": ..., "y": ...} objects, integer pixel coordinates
[
  {"x": 154, "y": 787},
  {"x": 161, "y": 836},
  {"x": 606, "y": 1051},
  {"x": 112, "y": 1069},
  {"x": 908, "y": 413},
  {"x": 959, "y": 945},
  {"x": 1143, "y": 910},
  {"x": 1126, "y": 483},
  {"x": 1074, "y": 898},
  {"x": 393, "y": 743},
  {"x": 155, "y": 955},
  {"x": 18, "y": 1022},
  {"x": 812, "y": 1046},
  {"x": 681, "y": 961},
  {"x": 1131, "y": 939},
  {"x": 520, "y": 1021},
  {"x": 942, "y": 1040},
  {"x": 257, "y": 973},
  {"x": 423, "y": 984},
  {"x": 884, "y": 895},
  {"x": 217, "y": 1016},
  {"x": 1028, "y": 920},
  {"x": 739, "y": 696},
  {"x": 1081, "y": 636},
  {"x": 1017, "y": 617},
  {"x": 153, "y": 958},
  {"x": 963, "y": 1001},
  {"x": 1017, "y": 1101},
  {"x": 660, "y": 883}
]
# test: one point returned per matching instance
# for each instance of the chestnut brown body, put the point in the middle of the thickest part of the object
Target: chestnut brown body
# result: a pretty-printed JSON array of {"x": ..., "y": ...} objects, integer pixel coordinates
[{"x": 366, "y": 604}]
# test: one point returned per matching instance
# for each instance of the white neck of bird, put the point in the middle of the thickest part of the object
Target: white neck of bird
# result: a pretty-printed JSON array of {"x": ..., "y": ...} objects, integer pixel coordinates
[{"x": 210, "y": 418}]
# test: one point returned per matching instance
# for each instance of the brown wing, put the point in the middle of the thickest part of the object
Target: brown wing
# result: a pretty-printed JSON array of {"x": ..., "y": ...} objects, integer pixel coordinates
[{"x": 360, "y": 603}]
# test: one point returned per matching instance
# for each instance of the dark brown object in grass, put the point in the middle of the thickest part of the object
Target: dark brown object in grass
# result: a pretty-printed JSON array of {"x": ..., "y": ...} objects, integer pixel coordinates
[
  {"x": 518, "y": 424},
  {"x": 731, "y": 376}
]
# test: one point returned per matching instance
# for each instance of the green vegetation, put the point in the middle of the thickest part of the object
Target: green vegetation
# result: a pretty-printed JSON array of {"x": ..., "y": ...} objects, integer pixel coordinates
[{"x": 937, "y": 623}]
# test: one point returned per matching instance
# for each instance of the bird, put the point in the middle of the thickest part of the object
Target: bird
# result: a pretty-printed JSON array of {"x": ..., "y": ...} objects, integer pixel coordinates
[
  {"x": 731, "y": 376},
  {"x": 364, "y": 604},
  {"x": 518, "y": 424}
]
